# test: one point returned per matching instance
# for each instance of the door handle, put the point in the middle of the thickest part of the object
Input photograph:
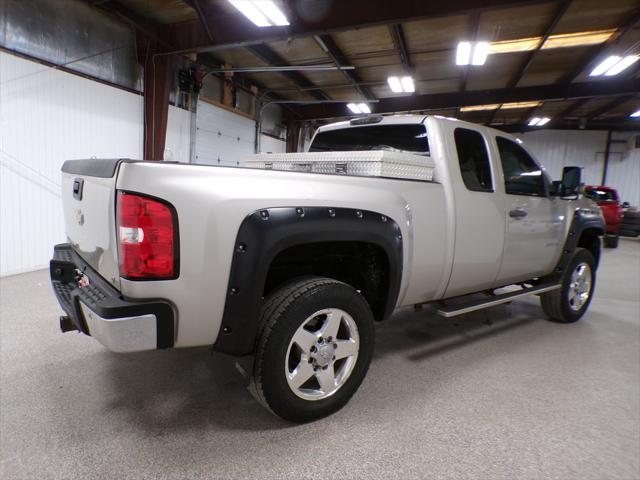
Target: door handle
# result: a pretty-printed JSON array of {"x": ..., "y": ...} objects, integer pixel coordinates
[{"x": 517, "y": 213}]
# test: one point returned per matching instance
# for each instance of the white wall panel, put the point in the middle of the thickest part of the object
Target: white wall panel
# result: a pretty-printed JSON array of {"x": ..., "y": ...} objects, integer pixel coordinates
[
  {"x": 558, "y": 148},
  {"x": 178, "y": 143},
  {"x": 269, "y": 144},
  {"x": 222, "y": 137},
  {"x": 46, "y": 117}
]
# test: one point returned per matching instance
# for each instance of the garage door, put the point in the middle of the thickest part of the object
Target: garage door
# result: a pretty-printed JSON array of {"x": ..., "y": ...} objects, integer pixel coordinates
[{"x": 222, "y": 137}]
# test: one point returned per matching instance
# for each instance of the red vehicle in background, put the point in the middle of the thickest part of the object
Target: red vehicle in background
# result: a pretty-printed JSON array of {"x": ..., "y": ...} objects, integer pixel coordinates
[{"x": 609, "y": 202}]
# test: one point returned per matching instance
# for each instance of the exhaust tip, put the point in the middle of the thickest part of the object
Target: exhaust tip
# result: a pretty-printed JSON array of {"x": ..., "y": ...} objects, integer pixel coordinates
[{"x": 66, "y": 325}]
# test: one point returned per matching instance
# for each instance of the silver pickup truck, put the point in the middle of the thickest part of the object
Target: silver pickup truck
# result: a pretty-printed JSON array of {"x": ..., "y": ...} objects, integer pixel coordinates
[{"x": 291, "y": 269}]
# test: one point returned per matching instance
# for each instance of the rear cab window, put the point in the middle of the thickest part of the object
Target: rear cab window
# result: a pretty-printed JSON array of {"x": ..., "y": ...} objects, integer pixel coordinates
[
  {"x": 410, "y": 138},
  {"x": 473, "y": 159}
]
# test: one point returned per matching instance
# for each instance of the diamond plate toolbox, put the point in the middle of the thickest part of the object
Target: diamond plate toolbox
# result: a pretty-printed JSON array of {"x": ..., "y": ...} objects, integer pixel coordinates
[{"x": 369, "y": 163}]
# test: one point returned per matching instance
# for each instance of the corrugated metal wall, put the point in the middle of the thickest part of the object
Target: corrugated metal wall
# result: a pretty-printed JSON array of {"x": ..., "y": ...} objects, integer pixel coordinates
[
  {"x": 558, "y": 148},
  {"x": 46, "y": 117}
]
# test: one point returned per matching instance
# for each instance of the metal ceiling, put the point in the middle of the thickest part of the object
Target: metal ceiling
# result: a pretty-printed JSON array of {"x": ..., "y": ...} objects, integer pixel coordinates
[{"x": 417, "y": 38}]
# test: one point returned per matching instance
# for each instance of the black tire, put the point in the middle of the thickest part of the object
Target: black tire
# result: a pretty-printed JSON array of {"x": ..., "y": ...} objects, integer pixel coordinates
[
  {"x": 611, "y": 241},
  {"x": 283, "y": 313},
  {"x": 555, "y": 303}
]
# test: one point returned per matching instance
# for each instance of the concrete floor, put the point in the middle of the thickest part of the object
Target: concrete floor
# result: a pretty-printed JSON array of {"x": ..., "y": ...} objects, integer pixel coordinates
[{"x": 522, "y": 398}]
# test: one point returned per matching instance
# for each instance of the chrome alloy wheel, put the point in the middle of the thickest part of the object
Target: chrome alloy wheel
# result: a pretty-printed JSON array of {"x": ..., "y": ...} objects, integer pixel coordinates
[
  {"x": 322, "y": 354},
  {"x": 580, "y": 286}
]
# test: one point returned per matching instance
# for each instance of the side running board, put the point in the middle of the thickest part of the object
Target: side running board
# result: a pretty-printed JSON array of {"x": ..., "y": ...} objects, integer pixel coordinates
[{"x": 461, "y": 309}]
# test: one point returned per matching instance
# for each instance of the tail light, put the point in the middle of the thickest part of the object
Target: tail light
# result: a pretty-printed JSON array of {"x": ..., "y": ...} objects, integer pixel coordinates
[{"x": 147, "y": 237}]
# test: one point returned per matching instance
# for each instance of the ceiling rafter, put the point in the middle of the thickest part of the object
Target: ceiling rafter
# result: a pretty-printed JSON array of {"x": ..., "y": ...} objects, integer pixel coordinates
[
  {"x": 195, "y": 4},
  {"x": 437, "y": 101},
  {"x": 609, "y": 106},
  {"x": 620, "y": 124},
  {"x": 233, "y": 30},
  {"x": 564, "y": 6},
  {"x": 339, "y": 59},
  {"x": 400, "y": 43},
  {"x": 474, "y": 25}
]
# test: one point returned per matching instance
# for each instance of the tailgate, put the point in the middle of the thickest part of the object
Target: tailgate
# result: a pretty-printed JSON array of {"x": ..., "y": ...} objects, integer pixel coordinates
[{"x": 88, "y": 199}]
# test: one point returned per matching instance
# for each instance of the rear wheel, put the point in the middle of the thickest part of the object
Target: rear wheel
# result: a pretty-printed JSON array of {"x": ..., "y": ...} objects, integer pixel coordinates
[
  {"x": 314, "y": 350},
  {"x": 569, "y": 303}
]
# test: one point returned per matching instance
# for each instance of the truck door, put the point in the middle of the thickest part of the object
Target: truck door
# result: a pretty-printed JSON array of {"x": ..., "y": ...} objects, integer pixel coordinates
[
  {"x": 534, "y": 219},
  {"x": 479, "y": 214}
]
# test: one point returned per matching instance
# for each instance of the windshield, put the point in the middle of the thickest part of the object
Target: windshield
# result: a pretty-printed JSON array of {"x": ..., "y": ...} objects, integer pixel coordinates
[
  {"x": 600, "y": 195},
  {"x": 410, "y": 138}
]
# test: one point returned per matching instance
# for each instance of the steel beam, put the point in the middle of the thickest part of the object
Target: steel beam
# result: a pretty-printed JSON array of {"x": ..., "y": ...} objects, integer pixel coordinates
[
  {"x": 620, "y": 124},
  {"x": 609, "y": 106},
  {"x": 564, "y": 6},
  {"x": 270, "y": 57},
  {"x": 333, "y": 51},
  {"x": 397, "y": 35},
  {"x": 438, "y": 101},
  {"x": 195, "y": 4}
]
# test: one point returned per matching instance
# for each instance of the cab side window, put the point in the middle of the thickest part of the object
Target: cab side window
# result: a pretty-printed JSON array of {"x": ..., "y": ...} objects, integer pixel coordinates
[
  {"x": 522, "y": 176},
  {"x": 474, "y": 160}
]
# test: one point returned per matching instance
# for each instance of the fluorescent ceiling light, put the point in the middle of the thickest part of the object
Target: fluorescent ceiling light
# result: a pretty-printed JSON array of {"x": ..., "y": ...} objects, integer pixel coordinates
[
  {"x": 400, "y": 85},
  {"x": 476, "y": 108},
  {"x": 538, "y": 122},
  {"x": 358, "y": 108},
  {"x": 407, "y": 85},
  {"x": 472, "y": 53},
  {"x": 623, "y": 64},
  {"x": 463, "y": 54},
  {"x": 532, "y": 104},
  {"x": 394, "y": 83},
  {"x": 480, "y": 53},
  {"x": 613, "y": 65},
  {"x": 563, "y": 40},
  {"x": 354, "y": 108},
  {"x": 263, "y": 13},
  {"x": 272, "y": 12},
  {"x": 605, "y": 65},
  {"x": 364, "y": 108},
  {"x": 635, "y": 114}
]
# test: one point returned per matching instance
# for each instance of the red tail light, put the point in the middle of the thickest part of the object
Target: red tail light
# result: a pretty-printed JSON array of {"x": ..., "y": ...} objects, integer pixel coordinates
[{"x": 147, "y": 237}]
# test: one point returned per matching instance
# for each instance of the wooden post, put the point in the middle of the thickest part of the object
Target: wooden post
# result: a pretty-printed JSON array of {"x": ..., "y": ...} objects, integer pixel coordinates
[{"x": 227, "y": 89}]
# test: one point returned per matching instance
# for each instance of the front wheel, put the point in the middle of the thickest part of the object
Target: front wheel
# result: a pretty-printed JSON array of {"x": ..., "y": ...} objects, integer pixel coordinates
[
  {"x": 314, "y": 350},
  {"x": 570, "y": 302}
]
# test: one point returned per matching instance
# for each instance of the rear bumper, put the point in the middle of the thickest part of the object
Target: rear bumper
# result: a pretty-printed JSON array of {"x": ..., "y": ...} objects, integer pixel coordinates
[{"x": 99, "y": 310}]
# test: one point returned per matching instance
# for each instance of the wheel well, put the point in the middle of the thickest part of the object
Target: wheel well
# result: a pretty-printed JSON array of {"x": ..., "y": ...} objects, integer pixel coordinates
[
  {"x": 590, "y": 239},
  {"x": 364, "y": 266}
]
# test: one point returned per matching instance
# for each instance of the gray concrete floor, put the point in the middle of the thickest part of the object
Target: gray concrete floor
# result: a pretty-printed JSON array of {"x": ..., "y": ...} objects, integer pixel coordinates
[{"x": 520, "y": 398}]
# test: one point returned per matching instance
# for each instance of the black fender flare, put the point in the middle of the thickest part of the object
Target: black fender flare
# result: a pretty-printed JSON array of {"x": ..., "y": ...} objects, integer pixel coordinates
[
  {"x": 583, "y": 219},
  {"x": 265, "y": 233}
]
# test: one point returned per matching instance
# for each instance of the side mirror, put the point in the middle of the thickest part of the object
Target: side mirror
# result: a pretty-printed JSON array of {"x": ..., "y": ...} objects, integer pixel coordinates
[
  {"x": 571, "y": 181},
  {"x": 626, "y": 204}
]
